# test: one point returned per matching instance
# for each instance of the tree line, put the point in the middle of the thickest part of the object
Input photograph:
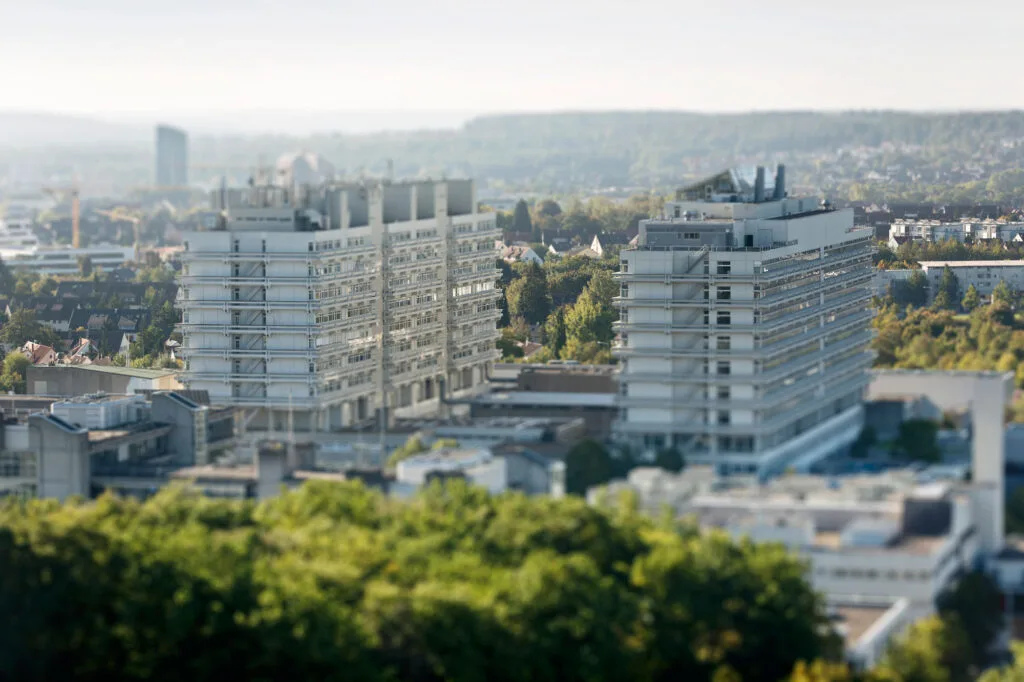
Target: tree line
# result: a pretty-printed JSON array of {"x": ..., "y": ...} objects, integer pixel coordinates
[
  {"x": 337, "y": 582},
  {"x": 568, "y": 303}
]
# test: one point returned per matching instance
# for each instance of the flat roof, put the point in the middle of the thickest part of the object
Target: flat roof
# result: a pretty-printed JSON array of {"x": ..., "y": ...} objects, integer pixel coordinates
[
  {"x": 123, "y": 371},
  {"x": 972, "y": 263},
  {"x": 149, "y": 428}
]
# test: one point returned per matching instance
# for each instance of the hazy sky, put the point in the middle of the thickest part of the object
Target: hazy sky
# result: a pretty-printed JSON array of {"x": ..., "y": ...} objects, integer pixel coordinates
[{"x": 114, "y": 57}]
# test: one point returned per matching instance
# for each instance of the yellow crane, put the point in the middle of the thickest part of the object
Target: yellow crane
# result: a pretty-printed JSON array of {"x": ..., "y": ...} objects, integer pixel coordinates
[{"x": 71, "y": 191}]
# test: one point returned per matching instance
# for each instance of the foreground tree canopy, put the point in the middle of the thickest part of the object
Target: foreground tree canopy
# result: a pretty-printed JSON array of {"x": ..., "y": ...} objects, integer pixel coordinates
[{"x": 340, "y": 583}]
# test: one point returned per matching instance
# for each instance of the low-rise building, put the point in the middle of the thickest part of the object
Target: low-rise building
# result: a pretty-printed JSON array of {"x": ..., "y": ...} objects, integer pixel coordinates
[
  {"x": 984, "y": 275},
  {"x": 567, "y": 391},
  {"x": 498, "y": 469},
  {"x": 74, "y": 380},
  {"x": 873, "y": 539},
  {"x": 97, "y": 442},
  {"x": 885, "y": 279}
]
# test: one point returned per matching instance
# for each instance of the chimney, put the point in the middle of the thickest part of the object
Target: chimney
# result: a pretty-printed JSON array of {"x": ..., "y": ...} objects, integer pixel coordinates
[
  {"x": 780, "y": 182},
  {"x": 759, "y": 186}
]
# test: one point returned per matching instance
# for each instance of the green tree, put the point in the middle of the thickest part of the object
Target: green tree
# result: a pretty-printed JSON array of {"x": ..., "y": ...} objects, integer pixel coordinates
[
  {"x": 548, "y": 208},
  {"x": 340, "y": 583},
  {"x": 527, "y": 295},
  {"x": 947, "y": 294},
  {"x": 22, "y": 327},
  {"x": 85, "y": 266},
  {"x": 47, "y": 286},
  {"x": 669, "y": 459},
  {"x": 866, "y": 439},
  {"x": 521, "y": 223},
  {"x": 1003, "y": 293},
  {"x": 587, "y": 464},
  {"x": 912, "y": 291},
  {"x": 1015, "y": 511},
  {"x": 918, "y": 440},
  {"x": 1011, "y": 673},
  {"x": 14, "y": 370},
  {"x": 975, "y": 604},
  {"x": 7, "y": 281},
  {"x": 554, "y": 331},
  {"x": 413, "y": 446},
  {"x": 971, "y": 299},
  {"x": 932, "y": 650}
]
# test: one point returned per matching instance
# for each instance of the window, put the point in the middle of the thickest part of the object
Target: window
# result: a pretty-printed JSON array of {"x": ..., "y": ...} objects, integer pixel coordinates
[
  {"x": 263, "y": 248},
  {"x": 235, "y": 246},
  {"x": 723, "y": 392},
  {"x": 707, "y": 292},
  {"x": 678, "y": 212},
  {"x": 723, "y": 343},
  {"x": 724, "y": 293},
  {"x": 724, "y": 317},
  {"x": 236, "y": 342},
  {"x": 724, "y": 267},
  {"x": 310, "y": 244},
  {"x": 691, "y": 235},
  {"x": 624, "y": 266},
  {"x": 312, "y": 367},
  {"x": 723, "y": 418},
  {"x": 624, "y": 293},
  {"x": 724, "y": 367},
  {"x": 707, "y": 316},
  {"x": 236, "y": 294}
]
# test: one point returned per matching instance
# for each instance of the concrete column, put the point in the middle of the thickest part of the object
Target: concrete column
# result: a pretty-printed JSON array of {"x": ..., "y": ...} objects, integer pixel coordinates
[{"x": 988, "y": 455}]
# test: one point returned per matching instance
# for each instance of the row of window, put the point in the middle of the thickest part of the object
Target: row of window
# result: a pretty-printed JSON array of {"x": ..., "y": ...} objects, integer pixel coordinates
[{"x": 872, "y": 574}]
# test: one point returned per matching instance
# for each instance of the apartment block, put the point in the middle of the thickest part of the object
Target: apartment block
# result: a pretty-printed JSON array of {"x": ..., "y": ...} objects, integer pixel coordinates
[
  {"x": 744, "y": 326},
  {"x": 316, "y": 306},
  {"x": 983, "y": 275}
]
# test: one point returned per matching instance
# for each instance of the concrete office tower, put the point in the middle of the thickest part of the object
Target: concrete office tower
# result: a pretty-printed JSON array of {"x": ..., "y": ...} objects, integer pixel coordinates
[
  {"x": 745, "y": 325},
  {"x": 309, "y": 306},
  {"x": 171, "y": 157}
]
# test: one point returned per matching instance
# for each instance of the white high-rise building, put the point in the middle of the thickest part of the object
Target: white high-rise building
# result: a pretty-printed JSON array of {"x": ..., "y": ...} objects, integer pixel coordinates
[
  {"x": 309, "y": 305},
  {"x": 744, "y": 326}
]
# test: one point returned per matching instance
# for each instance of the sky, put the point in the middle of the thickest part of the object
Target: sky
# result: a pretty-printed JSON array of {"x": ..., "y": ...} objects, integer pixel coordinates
[{"x": 131, "y": 60}]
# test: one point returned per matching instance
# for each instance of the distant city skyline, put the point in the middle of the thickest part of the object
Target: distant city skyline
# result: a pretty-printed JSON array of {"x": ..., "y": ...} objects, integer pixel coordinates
[{"x": 115, "y": 59}]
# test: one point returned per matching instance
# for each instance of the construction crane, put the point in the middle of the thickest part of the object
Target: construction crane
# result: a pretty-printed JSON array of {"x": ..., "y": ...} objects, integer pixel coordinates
[{"x": 58, "y": 193}]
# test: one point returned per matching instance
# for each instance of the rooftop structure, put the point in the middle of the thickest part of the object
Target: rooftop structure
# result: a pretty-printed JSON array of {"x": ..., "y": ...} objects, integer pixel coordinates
[
  {"x": 313, "y": 306},
  {"x": 744, "y": 326}
]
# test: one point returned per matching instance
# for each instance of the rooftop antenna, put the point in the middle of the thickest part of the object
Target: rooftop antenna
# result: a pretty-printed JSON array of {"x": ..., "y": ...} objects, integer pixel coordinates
[{"x": 391, "y": 170}]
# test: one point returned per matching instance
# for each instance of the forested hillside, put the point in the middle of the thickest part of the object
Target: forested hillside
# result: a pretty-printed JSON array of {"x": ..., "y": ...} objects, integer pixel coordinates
[{"x": 862, "y": 154}]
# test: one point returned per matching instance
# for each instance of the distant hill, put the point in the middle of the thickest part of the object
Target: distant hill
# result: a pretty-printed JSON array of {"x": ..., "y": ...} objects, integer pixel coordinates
[
  {"x": 24, "y": 129},
  {"x": 897, "y": 154}
]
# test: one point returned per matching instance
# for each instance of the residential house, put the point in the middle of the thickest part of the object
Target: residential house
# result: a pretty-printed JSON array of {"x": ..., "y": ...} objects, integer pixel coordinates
[
  {"x": 572, "y": 252},
  {"x": 520, "y": 253},
  {"x": 38, "y": 354},
  {"x": 606, "y": 239},
  {"x": 56, "y": 317}
]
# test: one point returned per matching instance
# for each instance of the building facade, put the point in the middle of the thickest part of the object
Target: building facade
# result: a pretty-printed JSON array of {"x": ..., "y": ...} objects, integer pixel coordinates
[
  {"x": 744, "y": 326},
  {"x": 984, "y": 275},
  {"x": 311, "y": 308},
  {"x": 171, "y": 157}
]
